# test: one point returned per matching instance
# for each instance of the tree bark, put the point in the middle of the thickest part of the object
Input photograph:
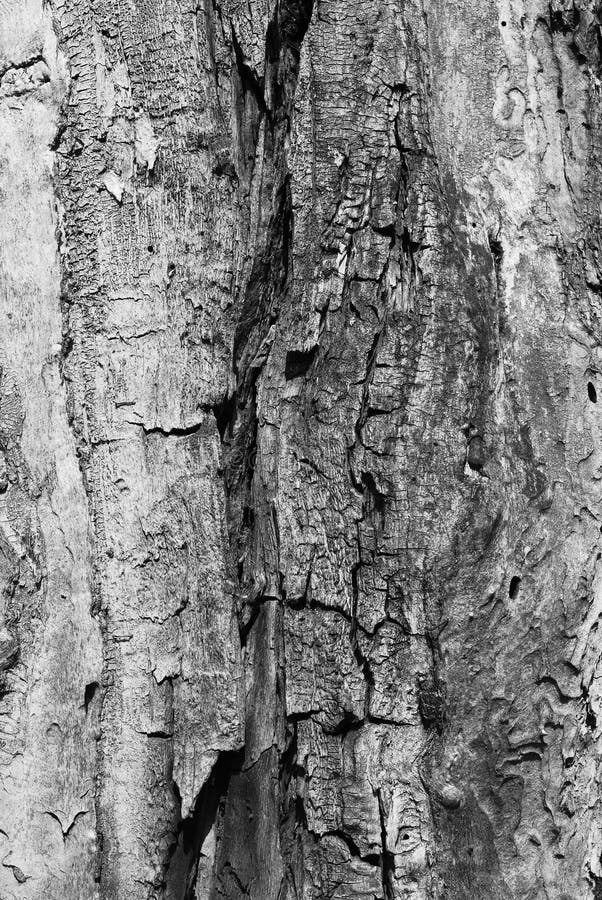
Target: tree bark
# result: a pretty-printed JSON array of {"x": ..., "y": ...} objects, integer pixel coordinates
[{"x": 300, "y": 510}]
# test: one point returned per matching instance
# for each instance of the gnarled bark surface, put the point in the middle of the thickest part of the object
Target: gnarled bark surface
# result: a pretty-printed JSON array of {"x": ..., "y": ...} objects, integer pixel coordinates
[{"x": 300, "y": 463}]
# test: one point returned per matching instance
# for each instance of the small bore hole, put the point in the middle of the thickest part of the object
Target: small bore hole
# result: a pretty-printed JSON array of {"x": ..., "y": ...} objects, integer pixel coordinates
[
  {"x": 591, "y": 392},
  {"x": 90, "y": 693},
  {"x": 503, "y": 24},
  {"x": 514, "y": 586}
]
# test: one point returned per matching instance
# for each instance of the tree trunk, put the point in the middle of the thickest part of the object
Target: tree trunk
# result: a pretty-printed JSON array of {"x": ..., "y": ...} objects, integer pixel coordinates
[{"x": 301, "y": 455}]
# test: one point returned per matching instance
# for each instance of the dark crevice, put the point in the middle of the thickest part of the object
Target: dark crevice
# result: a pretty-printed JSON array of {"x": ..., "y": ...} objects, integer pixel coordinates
[
  {"x": 431, "y": 703},
  {"x": 376, "y": 500},
  {"x": 497, "y": 252},
  {"x": 548, "y": 679},
  {"x": 590, "y": 717},
  {"x": 9, "y": 654},
  {"x": 431, "y": 687},
  {"x": 293, "y": 21},
  {"x": 387, "y": 859},
  {"x": 388, "y": 231},
  {"x": 170, "y": 432},
  {"x": 10, "y": 651},
  {"x": 298, "y": 362},
  {"x": 225, "y": 414},
  {"x": 597, "y": 883},
  {"x": 265, "y": 288},
  {"x": 249, "y": 79},
  {"x": 193, "y": 830},
  {"x": 346, "y": 725},
  {"x": 580, "y": 57},
  {"x": 514, "y": 587},
  {"x": 22, "y": 64},
  {"x": 564, "y": 21},
  {"x": 284, "y": 38},
  {"x": 250, "y": 613},
  {"x": 90, "y": 693},
  {"x": 238, "y": 790},
  {"x": 305, "y": 601},
  {"x": 371, "y": 858},
  {"x": 362, "y": 661}
]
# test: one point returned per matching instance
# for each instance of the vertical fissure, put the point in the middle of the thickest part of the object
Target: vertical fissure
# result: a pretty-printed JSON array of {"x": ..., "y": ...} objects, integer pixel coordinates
[{"x": 263, "y": 293}]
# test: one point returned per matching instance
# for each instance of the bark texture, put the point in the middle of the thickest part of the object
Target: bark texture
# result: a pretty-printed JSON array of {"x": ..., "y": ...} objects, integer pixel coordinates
[{"x": 300, "y": 450}]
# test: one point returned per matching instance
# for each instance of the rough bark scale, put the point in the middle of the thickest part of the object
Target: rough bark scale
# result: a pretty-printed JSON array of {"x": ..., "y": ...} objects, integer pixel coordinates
[{"x": 300, "y": 471}]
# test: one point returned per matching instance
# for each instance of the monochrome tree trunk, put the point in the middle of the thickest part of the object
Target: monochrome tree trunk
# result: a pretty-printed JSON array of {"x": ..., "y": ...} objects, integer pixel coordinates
[{"x": 301, "y": 455}]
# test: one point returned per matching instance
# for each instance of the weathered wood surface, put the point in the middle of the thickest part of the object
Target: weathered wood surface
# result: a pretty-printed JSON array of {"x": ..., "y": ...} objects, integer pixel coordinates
[{"x": 300, "y": 470}]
